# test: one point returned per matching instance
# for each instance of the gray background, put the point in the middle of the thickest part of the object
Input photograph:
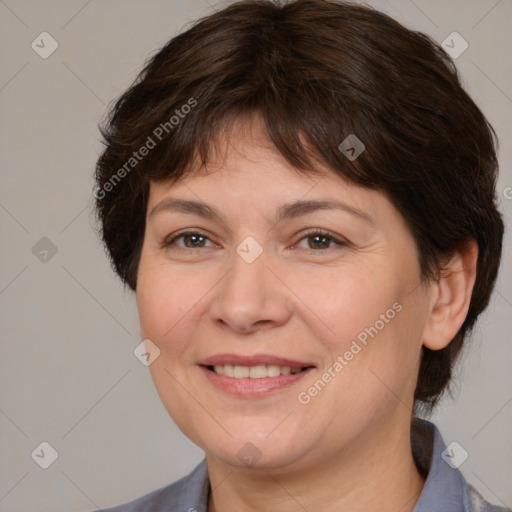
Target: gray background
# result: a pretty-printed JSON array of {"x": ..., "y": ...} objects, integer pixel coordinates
[{"x": 68, "y": 375}]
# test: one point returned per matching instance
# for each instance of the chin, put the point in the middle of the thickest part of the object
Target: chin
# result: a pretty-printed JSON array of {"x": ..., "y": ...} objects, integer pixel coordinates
[
  {"x": 251, "y": 457},
  {"x": 257, "y": 451}
]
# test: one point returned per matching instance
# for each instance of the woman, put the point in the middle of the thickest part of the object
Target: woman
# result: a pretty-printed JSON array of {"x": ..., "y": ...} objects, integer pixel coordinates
[{"x": 302, "y": 197}]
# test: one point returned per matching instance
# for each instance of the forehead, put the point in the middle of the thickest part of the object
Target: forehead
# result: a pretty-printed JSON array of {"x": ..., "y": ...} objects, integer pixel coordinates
[
  {"x": 245, "y": 171},
  {"x": 243, "y": 152}
]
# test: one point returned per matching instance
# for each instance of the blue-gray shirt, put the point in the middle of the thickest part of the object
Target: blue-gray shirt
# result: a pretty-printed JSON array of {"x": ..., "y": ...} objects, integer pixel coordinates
[{"x": 445, "y": 490}]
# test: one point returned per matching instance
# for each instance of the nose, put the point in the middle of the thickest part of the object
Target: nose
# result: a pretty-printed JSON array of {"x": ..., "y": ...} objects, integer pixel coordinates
[{"x": 251, "y": 296}]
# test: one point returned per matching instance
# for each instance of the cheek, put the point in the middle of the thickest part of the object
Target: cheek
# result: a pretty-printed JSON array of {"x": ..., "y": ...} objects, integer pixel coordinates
[
  {"x": 165, "y": 300},
  {"x": 343, "y": 302},
  {"x": 368, "y": 317},
  {"x": 383, "y": 354}
]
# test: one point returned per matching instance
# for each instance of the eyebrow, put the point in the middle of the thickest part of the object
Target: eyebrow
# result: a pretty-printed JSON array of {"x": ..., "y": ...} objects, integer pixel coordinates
[{"x": 286, "y": 211}]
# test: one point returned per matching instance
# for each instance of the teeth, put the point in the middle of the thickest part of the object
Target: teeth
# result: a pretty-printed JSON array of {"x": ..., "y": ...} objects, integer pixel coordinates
[
  {"x": 241, "y": 372},
  {"x": 254, "y": 372}
]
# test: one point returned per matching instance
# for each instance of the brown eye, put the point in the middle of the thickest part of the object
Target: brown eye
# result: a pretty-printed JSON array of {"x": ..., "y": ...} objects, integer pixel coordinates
[
  {"x": 321, "y": 240},
  {"x": 191, "y": 240}
]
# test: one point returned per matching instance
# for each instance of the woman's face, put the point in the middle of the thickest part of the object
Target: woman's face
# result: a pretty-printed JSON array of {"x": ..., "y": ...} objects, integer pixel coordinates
[{"x": 272, "y": 285}]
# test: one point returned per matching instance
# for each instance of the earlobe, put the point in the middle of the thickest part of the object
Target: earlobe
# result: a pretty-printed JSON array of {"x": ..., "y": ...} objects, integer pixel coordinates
[{"x": 451, "y": 297}]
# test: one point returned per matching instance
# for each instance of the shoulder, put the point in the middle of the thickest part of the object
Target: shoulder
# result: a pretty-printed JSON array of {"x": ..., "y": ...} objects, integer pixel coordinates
[
  {"x": 478, "y": 503},
  {"x": 187, "y": 493},
  {"x": 445, "y": 488}
]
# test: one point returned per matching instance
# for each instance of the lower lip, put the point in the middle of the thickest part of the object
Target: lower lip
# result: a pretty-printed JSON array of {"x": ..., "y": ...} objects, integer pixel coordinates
[{"x": 248, "y": 387}]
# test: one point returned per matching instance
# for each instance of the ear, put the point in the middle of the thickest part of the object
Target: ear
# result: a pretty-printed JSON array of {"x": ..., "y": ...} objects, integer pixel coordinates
[{"x": 451, "y": 296}]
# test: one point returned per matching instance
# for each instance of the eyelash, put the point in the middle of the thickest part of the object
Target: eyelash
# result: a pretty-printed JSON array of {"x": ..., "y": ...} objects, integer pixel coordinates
[{"x": 309, "y": 234}]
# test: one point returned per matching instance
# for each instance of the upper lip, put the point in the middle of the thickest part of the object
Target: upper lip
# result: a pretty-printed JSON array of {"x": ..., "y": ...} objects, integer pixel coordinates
[{"x": 254, "y": 360}]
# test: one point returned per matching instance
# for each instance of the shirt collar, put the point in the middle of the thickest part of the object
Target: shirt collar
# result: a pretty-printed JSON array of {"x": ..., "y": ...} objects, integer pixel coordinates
[
  {"x": 445, "y": 486},
  {"x": 194, "y": 495}
]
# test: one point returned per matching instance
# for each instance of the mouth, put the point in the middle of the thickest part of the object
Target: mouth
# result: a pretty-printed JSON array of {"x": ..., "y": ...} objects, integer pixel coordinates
[
  {"x": 253, "y": 376},
  {"x": 261, "y": 371}
]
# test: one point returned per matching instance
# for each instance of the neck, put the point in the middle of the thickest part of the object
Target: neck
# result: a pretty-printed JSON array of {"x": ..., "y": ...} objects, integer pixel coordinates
[{"x": 376, "y": 472}]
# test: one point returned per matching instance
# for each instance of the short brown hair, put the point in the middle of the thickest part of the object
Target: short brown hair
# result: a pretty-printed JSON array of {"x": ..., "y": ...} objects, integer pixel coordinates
[{"x": 316, "y": 71}]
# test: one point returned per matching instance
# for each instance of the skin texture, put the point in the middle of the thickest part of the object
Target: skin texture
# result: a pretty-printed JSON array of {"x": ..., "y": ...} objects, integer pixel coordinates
[{"x": 348, "y": 448}]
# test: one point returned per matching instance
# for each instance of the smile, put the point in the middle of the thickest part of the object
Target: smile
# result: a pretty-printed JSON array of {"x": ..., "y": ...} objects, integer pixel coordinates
[
  {"x": 253, "y": 372},
  {"x": 253, "y": 381}
]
